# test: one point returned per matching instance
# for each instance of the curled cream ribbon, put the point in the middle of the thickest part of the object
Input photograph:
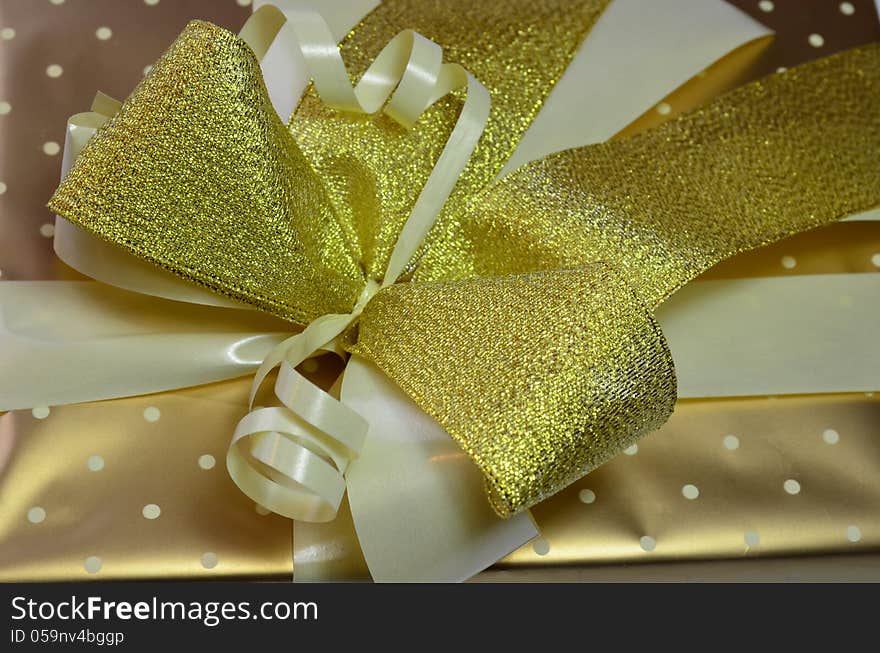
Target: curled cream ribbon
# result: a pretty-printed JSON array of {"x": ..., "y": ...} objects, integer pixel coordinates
[{"x": 292, "y": 459}]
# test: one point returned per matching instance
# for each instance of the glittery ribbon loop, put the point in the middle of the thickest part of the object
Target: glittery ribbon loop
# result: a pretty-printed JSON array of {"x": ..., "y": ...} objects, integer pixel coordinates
[{"x": 292, "y": 459}]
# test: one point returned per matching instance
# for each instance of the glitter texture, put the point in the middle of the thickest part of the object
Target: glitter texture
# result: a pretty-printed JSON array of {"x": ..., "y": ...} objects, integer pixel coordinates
[
  {"x": 518, "y": 49},
  {"x": 779, "y": 156},
  {"x": 539, "y": 377},
  {"x": 197, "y": 174}
]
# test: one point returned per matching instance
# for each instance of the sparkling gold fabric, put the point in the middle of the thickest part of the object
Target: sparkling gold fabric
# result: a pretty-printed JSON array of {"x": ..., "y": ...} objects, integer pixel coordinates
[
  {"x": 759, "y": 164},
  {"x": 197, "y": 174},
  {"x": 578, "y": 370},
  {"x": 197, "y": 145},
  {"x": 517, "y": 49}
]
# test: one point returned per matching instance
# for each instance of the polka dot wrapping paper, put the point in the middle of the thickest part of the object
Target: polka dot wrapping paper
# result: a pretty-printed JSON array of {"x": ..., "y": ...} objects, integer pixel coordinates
[{"x": 765, "y": 478}]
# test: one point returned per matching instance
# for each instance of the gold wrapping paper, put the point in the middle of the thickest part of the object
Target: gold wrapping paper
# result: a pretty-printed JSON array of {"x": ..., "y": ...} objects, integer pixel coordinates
[
  {"x": 728, "y": 479},
  {"x": 854, "y": 409},
  {"x": 84, "y": 501},
  {"x": 738, "y": 454}
]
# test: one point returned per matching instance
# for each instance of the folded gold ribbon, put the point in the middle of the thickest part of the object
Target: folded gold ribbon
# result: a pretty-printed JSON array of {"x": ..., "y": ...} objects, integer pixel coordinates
[{"x": 524, "y": 324}]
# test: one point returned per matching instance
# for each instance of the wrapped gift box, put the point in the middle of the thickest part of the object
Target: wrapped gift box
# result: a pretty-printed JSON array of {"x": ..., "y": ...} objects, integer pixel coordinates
[{"x": 136, "y": 488}]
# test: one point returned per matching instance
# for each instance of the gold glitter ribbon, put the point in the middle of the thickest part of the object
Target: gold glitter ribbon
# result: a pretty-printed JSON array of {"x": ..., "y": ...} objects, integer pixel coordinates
[{"x": 525, "y": 325}]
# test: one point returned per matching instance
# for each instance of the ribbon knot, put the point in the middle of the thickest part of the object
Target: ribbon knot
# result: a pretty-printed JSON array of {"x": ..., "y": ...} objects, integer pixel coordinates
[
  {"x": 366, "y": 295},
  {"x": 292, "y": 459}
]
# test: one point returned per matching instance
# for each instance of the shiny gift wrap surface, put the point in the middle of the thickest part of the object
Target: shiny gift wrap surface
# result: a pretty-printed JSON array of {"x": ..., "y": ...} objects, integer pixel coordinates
[
  {"x": 734, "y": 479},
  {"x": 733, "y": 456},
  {"x": 95, "y": 500},
  {"x": 557, "y": 552}
]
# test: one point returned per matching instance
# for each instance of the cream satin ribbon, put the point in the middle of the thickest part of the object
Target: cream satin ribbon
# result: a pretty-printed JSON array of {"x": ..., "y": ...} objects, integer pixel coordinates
[{"x": 292, "y": 459}]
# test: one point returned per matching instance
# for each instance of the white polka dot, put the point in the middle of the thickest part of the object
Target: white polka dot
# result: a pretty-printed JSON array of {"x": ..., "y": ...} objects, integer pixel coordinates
[
  {"x": 152, "y": 414},
  {"x": 209, "y": 560},
  {"x": 7, "y": 33},
  {"x": 766, "y": 6},
  {"x": 206, "y": 461},
  {"x": 647, "y": 543},
  {"x": 5, "y": 108},
  {"x": 853, "y": 534},
  {"x": 830, "y": 436},
  {"x": 310, "y": 366},
  {"x": 664, "y": 109},
  {"x": 781, "y": 69},
  {"x": 54, "y": 70},
  {"x": 40, "y": 412},
  {"x": 541, "y": 547},
  {"x": 47, "y": 230},
  {"x": 95, "y": 463},
  {"x": 93, "y": 564},
  {"x": 2, "y": 188},
  {"x": 847, "y": 9},
  {"x": 261, "y": 510},
  {"x": 57, "y": 2},
  {"x": 151, "y": 3},
  {"x": 791, "y": 486},
  {"x": 243, "y": 3},
  {"x": 789, "y": 262},
  {"x": 104, "y": 33},
  {"x": 752, "y": 539},
  {"x": 869, "y": 395},
  {"x": 151, "y": 511},
  {"x": 147, "y": 69},
  {"x": 51, "y": 148},
  {"x": 36, "y": 514},
  {"x": 875, "y": 260},
  {"x": 587, "y": 496},
  {"x": 816, "y": 40},
  {"x": 731, "y": 442},
  {"x": 631, "y": 451},
  {"x": 690, "y": 491}
]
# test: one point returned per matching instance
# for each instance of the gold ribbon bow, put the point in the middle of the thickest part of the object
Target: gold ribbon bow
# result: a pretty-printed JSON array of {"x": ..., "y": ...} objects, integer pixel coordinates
[{"x": 524, "y": 325}]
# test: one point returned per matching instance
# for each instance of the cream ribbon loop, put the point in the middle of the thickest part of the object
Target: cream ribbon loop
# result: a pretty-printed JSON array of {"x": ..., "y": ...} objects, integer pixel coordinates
[{"x": 291, "y": 459}]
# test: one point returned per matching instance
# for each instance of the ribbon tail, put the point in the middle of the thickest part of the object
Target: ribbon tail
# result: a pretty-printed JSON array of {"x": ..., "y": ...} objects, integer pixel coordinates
[
  {"x": 416, "y": 498},
  {"x": 71, "y": 342}
]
